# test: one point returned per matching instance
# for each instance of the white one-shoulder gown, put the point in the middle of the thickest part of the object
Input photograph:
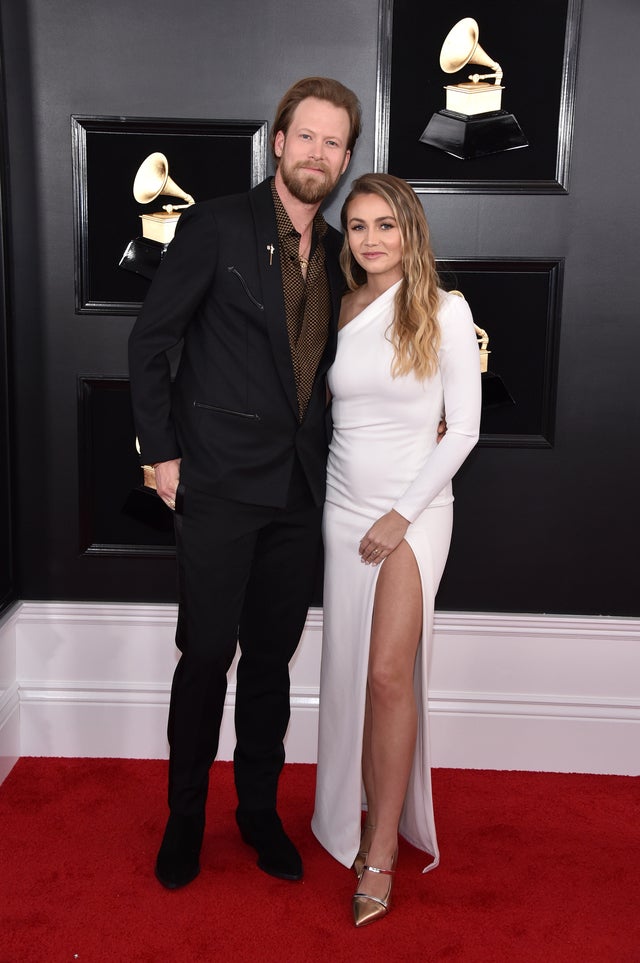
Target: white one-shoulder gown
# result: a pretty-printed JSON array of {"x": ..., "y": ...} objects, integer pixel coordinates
[{"x": 384, "y": 455}]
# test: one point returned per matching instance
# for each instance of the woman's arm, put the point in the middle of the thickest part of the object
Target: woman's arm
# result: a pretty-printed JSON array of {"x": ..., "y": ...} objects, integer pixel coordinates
[{"x": 460, "y": 370}]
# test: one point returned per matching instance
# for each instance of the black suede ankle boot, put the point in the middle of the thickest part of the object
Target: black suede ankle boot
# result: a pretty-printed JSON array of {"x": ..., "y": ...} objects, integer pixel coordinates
[
  {"x": 178, "y": 861},
  {"x": 277, "y": 855}
]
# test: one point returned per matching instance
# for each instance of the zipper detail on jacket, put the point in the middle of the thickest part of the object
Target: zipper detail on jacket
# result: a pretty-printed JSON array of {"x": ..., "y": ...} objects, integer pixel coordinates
[
  {"x": 226, "y": 411},
  {"x": 234, "y": 270}
]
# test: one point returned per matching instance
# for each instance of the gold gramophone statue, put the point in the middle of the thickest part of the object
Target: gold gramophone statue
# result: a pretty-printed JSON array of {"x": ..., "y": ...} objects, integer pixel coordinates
[
  {"x": 473, "y": 123},
  {"x": 494, "y": 391},
  {"x": 150, "y": 182},
  {"x": 143, "y": 504},
  {"x": 148, "y": 472},
  {"x": 143, "y": 254}
]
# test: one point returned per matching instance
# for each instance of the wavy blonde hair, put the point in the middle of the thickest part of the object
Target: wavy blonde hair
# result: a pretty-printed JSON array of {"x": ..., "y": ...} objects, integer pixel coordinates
[{"x": 414, "y": 331}]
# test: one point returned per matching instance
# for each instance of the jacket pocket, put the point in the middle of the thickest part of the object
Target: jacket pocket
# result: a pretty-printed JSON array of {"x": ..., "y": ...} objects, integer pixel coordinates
[
  {"x": 226, "y": 411},
  {"x": 233, "y": 270}
]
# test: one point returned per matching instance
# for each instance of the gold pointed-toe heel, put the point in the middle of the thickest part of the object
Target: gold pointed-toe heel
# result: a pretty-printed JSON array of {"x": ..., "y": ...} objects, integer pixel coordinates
[
  {"x": 361, "y": 855},
  {"x": 367, "y": 909}
]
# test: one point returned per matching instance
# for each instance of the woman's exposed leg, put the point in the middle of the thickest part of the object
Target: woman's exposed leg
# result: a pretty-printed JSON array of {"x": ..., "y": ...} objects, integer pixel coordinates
[
  {"x": 369, "y": 788},
  {"x": 390, "y": 730}
]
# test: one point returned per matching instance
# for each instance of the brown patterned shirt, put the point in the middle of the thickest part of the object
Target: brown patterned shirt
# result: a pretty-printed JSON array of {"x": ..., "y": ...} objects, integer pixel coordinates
[{"x": 307, "y": 302}]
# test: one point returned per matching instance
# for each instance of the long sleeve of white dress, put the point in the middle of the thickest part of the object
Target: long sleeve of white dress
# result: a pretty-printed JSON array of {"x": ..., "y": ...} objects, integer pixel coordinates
[{"x": 459, "y": 367}]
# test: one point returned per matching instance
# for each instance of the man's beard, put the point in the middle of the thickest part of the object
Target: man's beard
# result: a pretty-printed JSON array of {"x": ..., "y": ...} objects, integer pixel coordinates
[{"x": 306, "y": 187}]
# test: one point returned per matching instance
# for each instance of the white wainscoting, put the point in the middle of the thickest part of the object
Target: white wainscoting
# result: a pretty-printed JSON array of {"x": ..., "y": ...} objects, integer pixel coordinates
[
  {"x": 9, "y": 699},
  {"x": 534, "y": 692}
]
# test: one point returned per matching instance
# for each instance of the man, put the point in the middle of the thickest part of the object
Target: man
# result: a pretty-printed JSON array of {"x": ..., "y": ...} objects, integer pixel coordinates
[{"x": 251, "y": 286}]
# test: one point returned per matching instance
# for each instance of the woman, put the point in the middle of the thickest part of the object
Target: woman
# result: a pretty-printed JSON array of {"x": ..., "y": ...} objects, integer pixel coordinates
[{"x": 407, "y": 351}]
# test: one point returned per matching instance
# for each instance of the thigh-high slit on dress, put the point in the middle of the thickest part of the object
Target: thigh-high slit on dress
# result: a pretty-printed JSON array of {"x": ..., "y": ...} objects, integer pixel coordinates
[{"x": 383, "y": 456}]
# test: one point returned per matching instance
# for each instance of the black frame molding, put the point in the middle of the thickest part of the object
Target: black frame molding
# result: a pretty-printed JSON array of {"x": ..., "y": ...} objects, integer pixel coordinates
[
  {"x": 118, "y": 516},
  {"x": 540, "y": 64},
  {"x": 518, "y": 301},
  {"x": 207, "y": 158}
]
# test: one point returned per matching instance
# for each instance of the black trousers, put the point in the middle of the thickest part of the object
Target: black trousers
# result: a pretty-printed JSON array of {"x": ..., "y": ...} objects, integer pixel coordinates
[{"x": 246, "y": 576}]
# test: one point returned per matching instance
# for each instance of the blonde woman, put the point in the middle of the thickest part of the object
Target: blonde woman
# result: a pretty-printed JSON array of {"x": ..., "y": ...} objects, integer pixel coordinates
[{"x": 407, "y": 351}]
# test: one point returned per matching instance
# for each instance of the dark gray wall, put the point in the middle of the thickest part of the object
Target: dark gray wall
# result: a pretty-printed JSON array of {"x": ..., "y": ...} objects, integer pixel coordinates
[
  {"x": 7, "y": 567},
  {"x": 541, "y": 530}
]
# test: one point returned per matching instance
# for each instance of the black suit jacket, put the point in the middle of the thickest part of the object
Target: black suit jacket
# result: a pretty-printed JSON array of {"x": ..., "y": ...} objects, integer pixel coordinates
[{"x": 232, "y": 413}]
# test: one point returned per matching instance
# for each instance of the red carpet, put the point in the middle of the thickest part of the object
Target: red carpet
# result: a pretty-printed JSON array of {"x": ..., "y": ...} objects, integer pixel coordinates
[{"x": 535, "y": 867}]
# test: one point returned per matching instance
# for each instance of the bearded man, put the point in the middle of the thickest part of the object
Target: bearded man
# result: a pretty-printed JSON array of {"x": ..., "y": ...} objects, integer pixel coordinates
[{"x": 250, "y": 286}]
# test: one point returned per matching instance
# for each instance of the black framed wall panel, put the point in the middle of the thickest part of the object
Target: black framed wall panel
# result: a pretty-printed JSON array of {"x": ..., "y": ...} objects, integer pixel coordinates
[
  {"x": 207, "y": 158},
  {"x": 517, "y": 301},
  {"x": 118, "y": 515},
  {"x": 538, "y": 53}
]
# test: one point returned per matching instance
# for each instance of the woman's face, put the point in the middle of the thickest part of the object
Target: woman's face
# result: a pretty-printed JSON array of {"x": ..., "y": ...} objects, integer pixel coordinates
[{"x": 374, "y": 237}]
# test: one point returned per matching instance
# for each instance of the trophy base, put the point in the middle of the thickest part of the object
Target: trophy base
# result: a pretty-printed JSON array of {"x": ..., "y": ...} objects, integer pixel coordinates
[
  {"x": 145, "y": 506},
  {"x": 142, "y": 256},
  {"x": 495, "y": 393},
  {"x": 466, "y": 137}
]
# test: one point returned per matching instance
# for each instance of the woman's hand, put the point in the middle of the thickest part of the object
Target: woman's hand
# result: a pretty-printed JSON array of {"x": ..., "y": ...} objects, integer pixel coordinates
[{"x": 382, "y": 538}]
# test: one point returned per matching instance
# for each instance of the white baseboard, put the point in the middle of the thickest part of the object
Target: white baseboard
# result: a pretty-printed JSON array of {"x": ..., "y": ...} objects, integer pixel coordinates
[
  {"x": 533, "y": 692},
  {"x": 9, "y": 695}
]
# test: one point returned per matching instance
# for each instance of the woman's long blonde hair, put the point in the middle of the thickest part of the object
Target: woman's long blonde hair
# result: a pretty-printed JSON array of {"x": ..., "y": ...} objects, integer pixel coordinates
[{"x": 414, "y": 332}]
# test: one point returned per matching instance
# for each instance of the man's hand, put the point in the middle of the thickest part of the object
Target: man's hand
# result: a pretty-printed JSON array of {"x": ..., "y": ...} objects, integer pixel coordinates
[
  {"x": 442, "y": 430},
  {"x": 167, "y": 479}
]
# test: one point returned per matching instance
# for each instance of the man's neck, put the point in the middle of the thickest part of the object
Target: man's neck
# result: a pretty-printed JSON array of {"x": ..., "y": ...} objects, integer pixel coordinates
[{"x": 300, "y": 214}]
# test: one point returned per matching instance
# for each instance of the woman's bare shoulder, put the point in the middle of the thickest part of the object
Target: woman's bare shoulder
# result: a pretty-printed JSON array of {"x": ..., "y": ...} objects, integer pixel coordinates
[{"x": 352, "y": 304}]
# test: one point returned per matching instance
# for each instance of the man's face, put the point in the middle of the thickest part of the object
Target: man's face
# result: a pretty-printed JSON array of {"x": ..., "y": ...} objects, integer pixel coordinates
[{"x": 313, "y": 153}]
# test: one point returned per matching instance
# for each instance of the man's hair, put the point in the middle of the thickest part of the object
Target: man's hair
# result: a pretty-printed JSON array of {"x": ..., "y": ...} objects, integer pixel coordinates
[{"x": 323, "y": 88}]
